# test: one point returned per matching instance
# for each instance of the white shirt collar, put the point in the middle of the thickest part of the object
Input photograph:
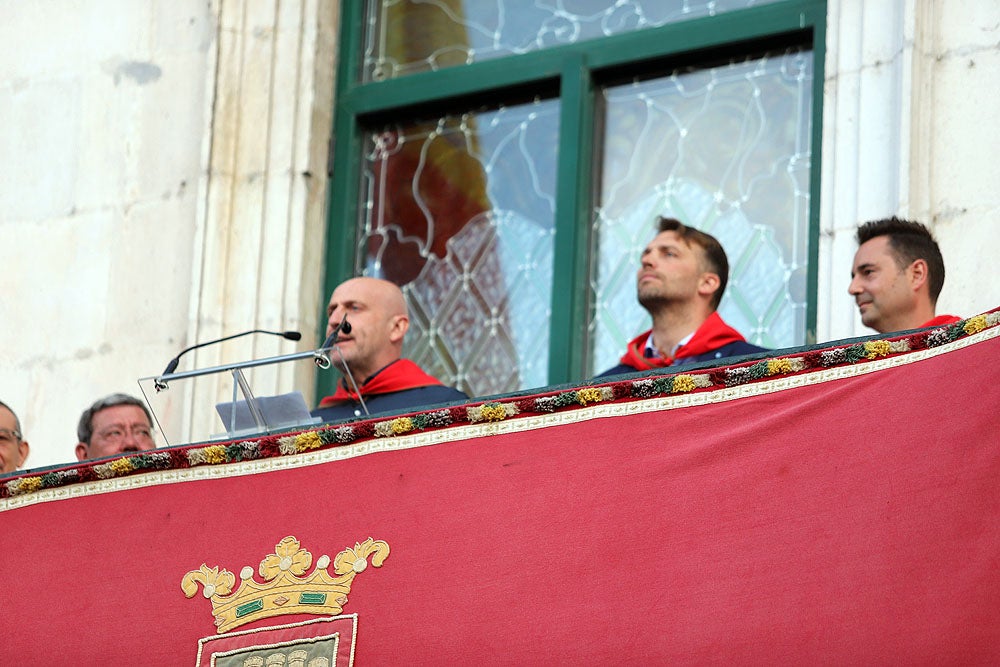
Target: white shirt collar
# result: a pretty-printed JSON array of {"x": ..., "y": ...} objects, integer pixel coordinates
[{"x": 652, "y": 352}]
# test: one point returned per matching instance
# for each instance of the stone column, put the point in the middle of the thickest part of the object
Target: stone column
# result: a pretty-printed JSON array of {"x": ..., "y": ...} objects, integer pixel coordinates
[
  {"x": 866, "y": 118},
  {"x": 261, "y": 224}
]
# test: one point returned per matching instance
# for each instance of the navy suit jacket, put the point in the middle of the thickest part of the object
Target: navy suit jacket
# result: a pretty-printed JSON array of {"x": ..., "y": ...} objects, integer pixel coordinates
[
  {"x": 735, "y": 349},
  {"x": 407, "y": 400}
]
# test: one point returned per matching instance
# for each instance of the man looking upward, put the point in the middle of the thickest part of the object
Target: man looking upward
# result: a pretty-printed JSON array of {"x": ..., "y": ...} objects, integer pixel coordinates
[{"x": 682, "y": 275}]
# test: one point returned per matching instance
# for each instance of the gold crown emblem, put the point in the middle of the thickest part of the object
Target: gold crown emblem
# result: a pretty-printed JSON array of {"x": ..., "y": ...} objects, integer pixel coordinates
[{"x": 285, "y": 590}]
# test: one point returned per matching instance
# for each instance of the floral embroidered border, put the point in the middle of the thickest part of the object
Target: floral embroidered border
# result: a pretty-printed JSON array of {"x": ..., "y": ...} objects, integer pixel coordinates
[{"x": 646, "y": 387}]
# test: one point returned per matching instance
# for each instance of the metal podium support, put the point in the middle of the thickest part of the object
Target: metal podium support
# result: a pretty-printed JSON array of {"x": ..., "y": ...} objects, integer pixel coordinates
[{"x": 154, "y": 385}]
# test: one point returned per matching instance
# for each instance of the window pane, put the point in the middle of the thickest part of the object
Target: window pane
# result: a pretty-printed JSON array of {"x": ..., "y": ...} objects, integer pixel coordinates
[
  {"x": 407, "y": 36},
  {"x": 726, "y": 150},
  {"x": 460, "y": 211}
]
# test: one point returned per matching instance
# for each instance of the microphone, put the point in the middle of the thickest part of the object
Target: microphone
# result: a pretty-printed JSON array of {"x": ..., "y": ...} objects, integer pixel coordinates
[
  {"x": 172, "y": 366},
  {"x": 320, "y": 357}
]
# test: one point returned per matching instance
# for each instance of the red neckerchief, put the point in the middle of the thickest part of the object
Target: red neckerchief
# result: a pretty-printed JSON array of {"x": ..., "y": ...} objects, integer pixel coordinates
[
  {"x": 939, "y": 320},
  {"x": 397, "y": 376},
  {"x": 711, "y": 335}
]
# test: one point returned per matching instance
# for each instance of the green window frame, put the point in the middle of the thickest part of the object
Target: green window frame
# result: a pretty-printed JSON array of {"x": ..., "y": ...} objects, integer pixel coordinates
[{"x": 573, "y": 73}]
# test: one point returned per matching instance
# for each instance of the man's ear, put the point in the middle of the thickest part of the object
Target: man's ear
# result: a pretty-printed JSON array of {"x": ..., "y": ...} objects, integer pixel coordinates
[
  {"x": 22, "y": 450},
  {"x": 917, "y": 273},
  {"x": 81, "y": 451},
  {"x": 708, "y": 284},
  {"x": 400, "y": 325}
]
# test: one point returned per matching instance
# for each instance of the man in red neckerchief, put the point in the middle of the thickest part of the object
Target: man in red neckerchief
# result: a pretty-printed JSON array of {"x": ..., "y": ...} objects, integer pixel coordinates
[
  {"x": 681, "y": 279},
  {"x": 897, "y": 276},
  {"x": 369, "y": 355}
]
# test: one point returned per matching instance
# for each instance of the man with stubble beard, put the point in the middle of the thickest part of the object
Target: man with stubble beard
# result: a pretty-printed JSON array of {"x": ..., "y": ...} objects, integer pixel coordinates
[{"x": 681, "y": 279}]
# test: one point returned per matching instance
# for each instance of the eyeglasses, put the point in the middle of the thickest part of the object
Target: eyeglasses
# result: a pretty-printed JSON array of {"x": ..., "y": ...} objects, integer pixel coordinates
[
  {"x": 6, "y": 435},
  {"x": 116, "y": 434}
]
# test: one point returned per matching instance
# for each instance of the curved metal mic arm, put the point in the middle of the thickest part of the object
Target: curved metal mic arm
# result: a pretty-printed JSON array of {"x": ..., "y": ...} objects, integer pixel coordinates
[
  {"x": 172, "y": 365},
  {"x": 321, "y": 355}
]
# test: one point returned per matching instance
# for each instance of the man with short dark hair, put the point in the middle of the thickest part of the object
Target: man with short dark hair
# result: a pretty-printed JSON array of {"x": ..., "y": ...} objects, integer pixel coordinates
[
  {"x": 897, "y": 276},
  {"x": 369, "y": 356},
  {"x": 115, "y": 424},
  {"x": 13, "y": 449},
  {"x": 681, "y": 279}
]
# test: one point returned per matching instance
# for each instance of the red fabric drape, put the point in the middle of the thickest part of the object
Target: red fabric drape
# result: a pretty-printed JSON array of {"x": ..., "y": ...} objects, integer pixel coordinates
[{"x": 848, "y": 521}]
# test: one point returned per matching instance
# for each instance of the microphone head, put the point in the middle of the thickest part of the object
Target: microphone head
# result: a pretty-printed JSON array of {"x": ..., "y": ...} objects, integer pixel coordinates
[
  {"x": 172, "y": 366},
  {"x": 292, "y": 335},
  {"x": 345, "y": 326}
]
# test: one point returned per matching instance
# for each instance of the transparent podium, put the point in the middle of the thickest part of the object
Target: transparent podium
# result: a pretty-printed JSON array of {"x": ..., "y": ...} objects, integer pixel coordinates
[{"x": 219, "y": 403}]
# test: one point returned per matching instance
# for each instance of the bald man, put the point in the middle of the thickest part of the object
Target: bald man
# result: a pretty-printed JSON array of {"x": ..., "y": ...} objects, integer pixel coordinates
[{"x": 370, "y": 356}]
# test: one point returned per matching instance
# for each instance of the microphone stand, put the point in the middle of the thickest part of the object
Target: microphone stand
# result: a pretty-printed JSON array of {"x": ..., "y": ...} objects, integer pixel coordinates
[
  {"x": 162, "y": 383},
  {"x": 319, "y": 356},
  {"x": 322, "y": 357},
  {"x": 350, "y": 376}
]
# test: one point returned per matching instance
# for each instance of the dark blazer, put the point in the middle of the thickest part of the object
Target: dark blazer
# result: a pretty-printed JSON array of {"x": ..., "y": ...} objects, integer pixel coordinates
[
  {"x": 735, "y": 349},
  {"x": 407, "y": 400}
]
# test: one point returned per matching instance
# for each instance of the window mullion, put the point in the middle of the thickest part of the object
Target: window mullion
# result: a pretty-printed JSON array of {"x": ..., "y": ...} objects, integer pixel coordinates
[
  {"x": 345, "y": 175},
  {"x": 574, "y": 197},
  {"x": 816, "y": 160}
]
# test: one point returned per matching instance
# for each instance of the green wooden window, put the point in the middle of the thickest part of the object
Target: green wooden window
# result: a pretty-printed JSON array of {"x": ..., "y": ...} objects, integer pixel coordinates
[{"x": 504, "y": 161}]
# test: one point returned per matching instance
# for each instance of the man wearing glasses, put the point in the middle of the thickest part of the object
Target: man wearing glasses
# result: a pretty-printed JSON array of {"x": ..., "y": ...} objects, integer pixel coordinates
[
  {"x": 13, "y": 450},
  {"x": 113, "y": 425}
]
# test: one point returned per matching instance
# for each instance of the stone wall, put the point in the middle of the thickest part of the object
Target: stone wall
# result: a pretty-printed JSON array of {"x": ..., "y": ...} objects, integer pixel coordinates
[
  {"x": 908, "y": 129},
  {"x": 162, "y": 182}
]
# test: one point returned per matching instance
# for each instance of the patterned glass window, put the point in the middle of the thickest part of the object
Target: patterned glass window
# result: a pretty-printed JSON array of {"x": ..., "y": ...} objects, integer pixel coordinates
[
  {"x": 724, "y": 149},
  {"x": 408, "y": 36},
  {"x": 504, "y": 161},
  {"x": 460, "y": 211}
]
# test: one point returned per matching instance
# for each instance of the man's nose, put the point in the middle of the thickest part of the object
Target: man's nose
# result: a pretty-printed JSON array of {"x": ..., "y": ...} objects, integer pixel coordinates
[
  {"x": 333, "y": 321},
  {"x": 854, "y": 288},
  {"x": 129, "y": 442}
]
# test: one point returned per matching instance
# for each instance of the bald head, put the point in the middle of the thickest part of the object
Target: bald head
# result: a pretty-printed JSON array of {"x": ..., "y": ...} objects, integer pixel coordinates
[
  {"x": 387, "y": 294},
  {"x": 379, "y": 320}
]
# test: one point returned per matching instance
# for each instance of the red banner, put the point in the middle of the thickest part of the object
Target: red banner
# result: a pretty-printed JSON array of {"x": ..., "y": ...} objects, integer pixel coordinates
[{"x": 838, "y": 510}]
